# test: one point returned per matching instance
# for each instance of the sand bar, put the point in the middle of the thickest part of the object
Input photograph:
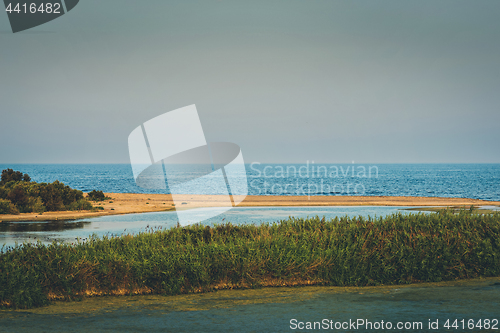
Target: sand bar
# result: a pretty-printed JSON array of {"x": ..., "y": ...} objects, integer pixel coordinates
[{"x": 128, "y": 203}]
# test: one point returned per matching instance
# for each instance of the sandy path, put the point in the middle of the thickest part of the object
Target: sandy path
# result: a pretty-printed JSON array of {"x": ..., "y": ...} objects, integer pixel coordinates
[{"x": 127, "y": 203}]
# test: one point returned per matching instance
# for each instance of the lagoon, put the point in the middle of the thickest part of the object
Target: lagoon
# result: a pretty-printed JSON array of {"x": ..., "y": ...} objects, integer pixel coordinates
[{"x": 73, "y": 231}]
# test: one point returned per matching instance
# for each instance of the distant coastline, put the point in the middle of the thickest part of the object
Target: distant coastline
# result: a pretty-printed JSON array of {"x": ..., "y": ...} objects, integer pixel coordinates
[{"x": 132, "y": 203}]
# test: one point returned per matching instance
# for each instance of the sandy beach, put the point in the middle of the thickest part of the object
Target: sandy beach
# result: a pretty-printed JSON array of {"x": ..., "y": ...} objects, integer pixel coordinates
[{"x": 128, "y": 203}]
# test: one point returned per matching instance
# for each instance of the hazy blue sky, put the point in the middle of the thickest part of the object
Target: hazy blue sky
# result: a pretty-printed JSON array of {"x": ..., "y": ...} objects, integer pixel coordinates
[{"x": 288, "y": 81}]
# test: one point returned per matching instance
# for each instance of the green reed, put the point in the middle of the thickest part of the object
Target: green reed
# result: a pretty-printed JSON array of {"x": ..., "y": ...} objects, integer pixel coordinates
[{"x": 397, "y": 249}]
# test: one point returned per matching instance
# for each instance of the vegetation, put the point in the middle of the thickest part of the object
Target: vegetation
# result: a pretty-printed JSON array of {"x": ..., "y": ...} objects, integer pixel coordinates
[
  {"x": 7, "y": 207},
  {"x": 18, "y": 194},
  {"x": 9, "y": 175},
  {"x": 97, "y": 196},
  {"x": 397, "y": 249}
]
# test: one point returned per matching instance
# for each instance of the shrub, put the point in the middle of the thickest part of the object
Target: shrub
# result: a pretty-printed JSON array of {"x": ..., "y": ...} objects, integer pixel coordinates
[
  {"x": 57, "y": 196},
  {"x": 27, "y": 196},
  {"x": 97, "y": 196},
  {"x": 81, "y": 204},
  {"x": 7, "y": 207},
  {"x": 11, "y": 175},
  {"x": 24, "y": 196},
  {"x": 18, "y": 196},
  {"x": 51, "y": 198},
  {"x": 3, "y": 193},
  {"x": 36, "y": 205}
]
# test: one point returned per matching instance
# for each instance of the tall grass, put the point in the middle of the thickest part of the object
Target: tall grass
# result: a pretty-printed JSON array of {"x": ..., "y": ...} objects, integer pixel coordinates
[{"x": 397, "y": 249}]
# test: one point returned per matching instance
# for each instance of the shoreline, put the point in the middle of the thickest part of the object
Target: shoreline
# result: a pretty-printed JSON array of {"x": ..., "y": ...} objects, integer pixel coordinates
[
  {"x": 231, "y": 297},
  {"x": 134, "y": 203}
]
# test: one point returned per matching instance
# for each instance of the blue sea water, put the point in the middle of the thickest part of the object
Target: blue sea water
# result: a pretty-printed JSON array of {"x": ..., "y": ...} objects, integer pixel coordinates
[{"x": 477, "y": 181}]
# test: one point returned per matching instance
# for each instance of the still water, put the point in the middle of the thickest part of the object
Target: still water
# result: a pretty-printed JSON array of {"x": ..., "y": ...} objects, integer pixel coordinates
[{"x": 69, "y": 231}]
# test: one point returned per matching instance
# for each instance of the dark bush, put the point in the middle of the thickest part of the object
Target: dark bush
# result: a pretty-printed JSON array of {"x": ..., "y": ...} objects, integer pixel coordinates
[
  {"x": 27, "y": 196},
  {"x": 19, "y": 197},
  {"x": 11, "y": 175},
  {"x": 51, "y": 197},
  {"x": 96, "y": 196},
  {"x": 57, "y": 196}
]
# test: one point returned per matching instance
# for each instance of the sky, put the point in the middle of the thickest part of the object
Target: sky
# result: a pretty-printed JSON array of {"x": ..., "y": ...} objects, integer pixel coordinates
[{"x": 288, "y": 81}]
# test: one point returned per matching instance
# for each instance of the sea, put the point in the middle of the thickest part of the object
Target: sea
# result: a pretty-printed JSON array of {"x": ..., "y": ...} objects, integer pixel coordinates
[{"x": 475, "y": 181}]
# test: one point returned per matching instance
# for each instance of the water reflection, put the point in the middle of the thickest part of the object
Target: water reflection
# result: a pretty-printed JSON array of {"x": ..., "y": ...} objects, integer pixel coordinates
[{"x": 41, "y": 226}]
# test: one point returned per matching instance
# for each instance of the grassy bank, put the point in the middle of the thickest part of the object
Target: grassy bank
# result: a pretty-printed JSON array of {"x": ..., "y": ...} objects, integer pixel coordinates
[{"x": 397, "y": 249}]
